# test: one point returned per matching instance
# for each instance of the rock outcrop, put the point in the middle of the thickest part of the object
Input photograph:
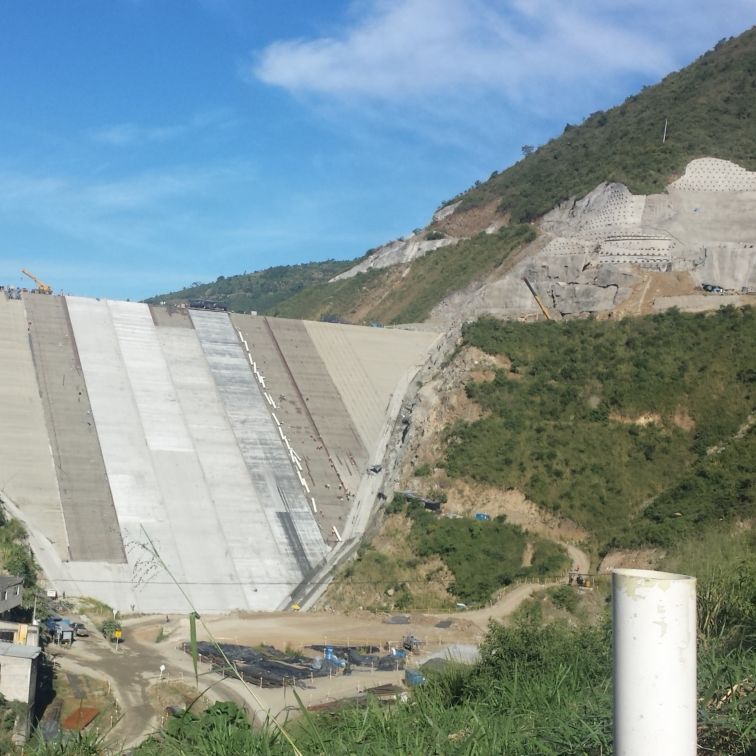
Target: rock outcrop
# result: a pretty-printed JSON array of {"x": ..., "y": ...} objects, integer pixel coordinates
[{"x": 595, "y": 252}]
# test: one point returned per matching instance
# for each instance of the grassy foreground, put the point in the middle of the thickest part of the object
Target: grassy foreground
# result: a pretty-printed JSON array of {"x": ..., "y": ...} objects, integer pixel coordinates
[{"x": 538, "y": 689}]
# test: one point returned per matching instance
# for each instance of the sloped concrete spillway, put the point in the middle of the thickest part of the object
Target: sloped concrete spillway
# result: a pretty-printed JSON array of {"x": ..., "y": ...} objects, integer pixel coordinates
[{"x": 160, "y": 456}]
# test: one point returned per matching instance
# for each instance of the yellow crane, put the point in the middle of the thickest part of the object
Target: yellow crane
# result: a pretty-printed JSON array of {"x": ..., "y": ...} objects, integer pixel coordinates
[
  {"x": 537, "y": 299},
  {"x": 42, "y": 287}
]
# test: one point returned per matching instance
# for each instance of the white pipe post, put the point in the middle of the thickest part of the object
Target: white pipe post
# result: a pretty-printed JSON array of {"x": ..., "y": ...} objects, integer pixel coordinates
[{"x": 654, "y": 620}]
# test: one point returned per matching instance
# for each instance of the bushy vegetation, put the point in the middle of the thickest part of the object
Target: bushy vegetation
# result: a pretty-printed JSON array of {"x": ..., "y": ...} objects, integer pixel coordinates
[
  {"x": 483, "y": 556},
  {"x": 109, "y": 628},
  {"x": 222, "y": 729},
  {"x": 719, "y": 486},
  {"x": 709, "y": 108},
  {"x": 564, "y": 597},
  {"x": 9, "y": 711},
  {"x": 332, "y": 301},
  {"x": 597, "y": 420},
  {"x": 261, "y": 290},
  {"x": 16, "y": 557}
]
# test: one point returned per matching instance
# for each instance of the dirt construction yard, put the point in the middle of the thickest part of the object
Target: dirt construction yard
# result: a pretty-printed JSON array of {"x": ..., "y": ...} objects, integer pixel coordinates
[{"x": 149, "y": 671}]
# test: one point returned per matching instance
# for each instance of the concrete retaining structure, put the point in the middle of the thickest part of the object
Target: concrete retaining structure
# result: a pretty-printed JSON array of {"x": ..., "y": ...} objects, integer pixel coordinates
[
  {"x": 302, "y": 418},
  {"x": 91, "y": 522},
  {"x": 210, "y": 468},
  {"x": 261, "y": 443},
  {"x": 596, "y": 253}
]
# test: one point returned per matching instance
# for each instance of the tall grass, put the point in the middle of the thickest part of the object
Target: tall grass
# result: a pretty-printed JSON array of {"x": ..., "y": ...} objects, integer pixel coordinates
[{"x": 537, "y": 689}]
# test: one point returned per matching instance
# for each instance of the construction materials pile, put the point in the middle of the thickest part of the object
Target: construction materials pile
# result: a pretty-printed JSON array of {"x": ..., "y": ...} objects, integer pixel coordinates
[{"x": 268, "y": 667}]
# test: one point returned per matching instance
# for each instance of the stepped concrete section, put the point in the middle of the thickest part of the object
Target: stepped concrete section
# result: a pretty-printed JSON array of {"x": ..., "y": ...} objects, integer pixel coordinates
[
  {"x": 188, "y": 519},
  {"x": 205, "y": 446},
  {"x": 322, "y": 399},
  {"x": 368, "y": 366},
  {"x": 250, "y": 542},
  {"x": 298, "y": 415},
  {"x": 262, "y": 447},
  {"x": 27, "y": 470},
  {"x": 177, "y": 474},
  {"x": 90, "y": 517},
  {"x": 128, "y": 462}
]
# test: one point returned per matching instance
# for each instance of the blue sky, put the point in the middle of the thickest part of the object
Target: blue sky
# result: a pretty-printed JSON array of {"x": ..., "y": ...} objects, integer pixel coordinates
[{"x": 147, "y": 144}]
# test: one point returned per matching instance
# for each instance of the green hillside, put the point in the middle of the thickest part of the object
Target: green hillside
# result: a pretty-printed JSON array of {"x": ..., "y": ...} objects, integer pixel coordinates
[
  {"x": 407, "y": 293},
  {"x": 710, "y": 107},
  {"x": 642, "y": 431},
  {"x": 637, "y": 429},
  {"x": 261, "y": 290}
]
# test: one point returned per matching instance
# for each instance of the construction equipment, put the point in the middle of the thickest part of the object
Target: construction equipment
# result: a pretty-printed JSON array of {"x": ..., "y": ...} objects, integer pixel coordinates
[
  {"x": 412, "y": 643},
  {"x": 537, "y": 299},
  {"x": 42, "y": 287}
]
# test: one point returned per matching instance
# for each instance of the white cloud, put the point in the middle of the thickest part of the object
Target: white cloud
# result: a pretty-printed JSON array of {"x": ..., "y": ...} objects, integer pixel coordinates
[
  {"x": 398, "y": 50},
  {"x": 129, "y": 134},
  {"x": 122, "y": 134},
  {"x": 133, "y": 211}
]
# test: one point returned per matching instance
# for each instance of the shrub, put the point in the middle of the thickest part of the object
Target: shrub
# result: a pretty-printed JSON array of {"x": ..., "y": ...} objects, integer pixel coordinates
[{"x": 564, "y": 597}]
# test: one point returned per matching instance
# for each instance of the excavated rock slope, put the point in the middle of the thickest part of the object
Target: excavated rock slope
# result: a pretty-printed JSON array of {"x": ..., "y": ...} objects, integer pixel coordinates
[{"x": 597, "y": 252}]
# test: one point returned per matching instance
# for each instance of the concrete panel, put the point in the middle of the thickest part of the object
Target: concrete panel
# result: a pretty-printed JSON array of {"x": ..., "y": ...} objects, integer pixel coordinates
[
  {"x": 27, "y": 471},
  {"x": 322, "y": 397},
  {"x": 91, "y": 522},
  {"x": 123, "y": 439},
  {"x": 251, "y": 545},
  {"x": 367, "y": 365},
  {"x": 190, "y": 512},
  {"x": 319, "y": 428},
  {"x": 267, "y": 459}
]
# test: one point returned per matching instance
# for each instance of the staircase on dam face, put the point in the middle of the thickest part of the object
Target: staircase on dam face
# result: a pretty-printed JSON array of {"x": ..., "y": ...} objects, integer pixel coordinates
[
  {"x": 260, "y": 442},
  {"x": 310, "y": 410},
  {"x": 90, "y": 517}
]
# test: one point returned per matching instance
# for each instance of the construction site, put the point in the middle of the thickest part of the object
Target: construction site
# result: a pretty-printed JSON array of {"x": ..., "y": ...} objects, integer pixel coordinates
[{"x": 164, "y": 459}]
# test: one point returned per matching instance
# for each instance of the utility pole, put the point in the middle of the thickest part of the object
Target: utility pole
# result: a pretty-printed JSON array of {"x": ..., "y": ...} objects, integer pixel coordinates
[{"x": 664, "y": 136}]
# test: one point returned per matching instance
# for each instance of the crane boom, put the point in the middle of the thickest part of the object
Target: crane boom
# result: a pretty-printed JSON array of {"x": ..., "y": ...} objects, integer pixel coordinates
[
  {"x": 537, "y": 299},
  {"x": 42, "y": 287}
]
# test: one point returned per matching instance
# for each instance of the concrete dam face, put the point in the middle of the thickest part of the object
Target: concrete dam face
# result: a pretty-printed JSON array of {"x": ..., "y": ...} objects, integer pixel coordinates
[{"x": 160, "y": 455}]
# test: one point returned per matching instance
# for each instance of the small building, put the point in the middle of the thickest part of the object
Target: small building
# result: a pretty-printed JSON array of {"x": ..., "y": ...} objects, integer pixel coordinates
[
  {"x": 19, "y": 659},
  {"x": 18, "y": 682},
  {"x": 11, "y": 590},
  {"x": 18, "y": 671}
]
